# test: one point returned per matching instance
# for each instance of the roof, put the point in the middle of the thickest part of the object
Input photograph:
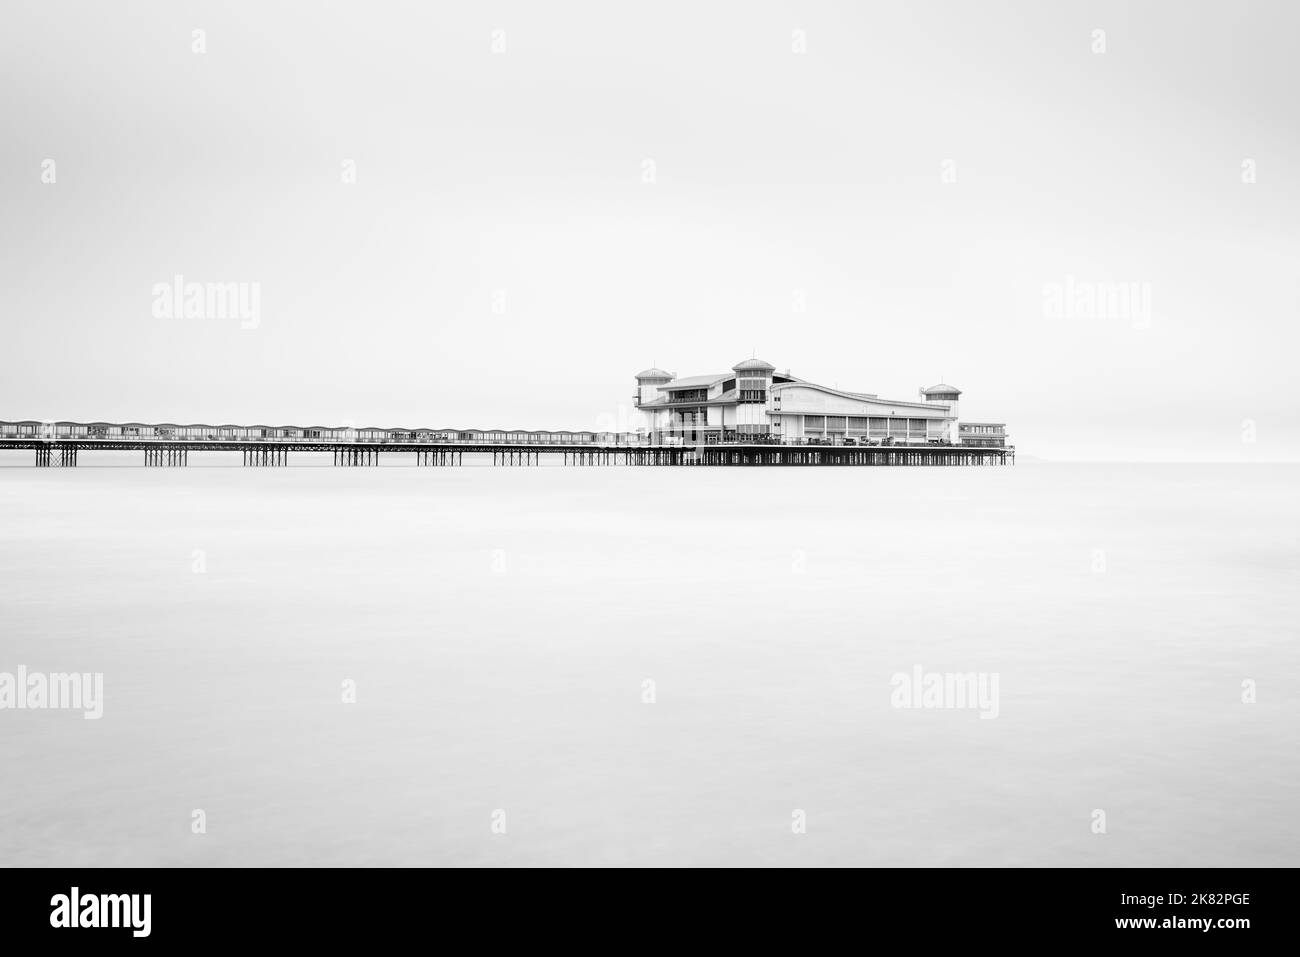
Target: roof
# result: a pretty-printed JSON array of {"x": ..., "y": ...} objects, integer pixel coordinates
[
  {"x": 919, "y": 407},
  {"x": 654, "y": 373},
  {"x": 697, "y": 381},
  {"x": 941, "y": 388},
  {"x": 757, "y": 365},
  {"x": 666, "y": 402},
  {"x": 797, "y": 383}
]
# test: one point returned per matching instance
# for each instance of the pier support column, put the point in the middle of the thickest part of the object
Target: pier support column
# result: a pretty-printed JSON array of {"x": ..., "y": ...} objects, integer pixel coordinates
[{"x": 260, "y": 456}]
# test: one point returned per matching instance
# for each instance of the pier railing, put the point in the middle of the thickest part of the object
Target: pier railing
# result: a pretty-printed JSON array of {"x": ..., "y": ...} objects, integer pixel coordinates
[
  {"x": 91, "y": 440},
  {"x": 58, "y": 443}
]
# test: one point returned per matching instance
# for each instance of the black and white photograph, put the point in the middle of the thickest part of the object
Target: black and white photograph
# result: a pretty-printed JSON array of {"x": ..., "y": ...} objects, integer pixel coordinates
[{"x": 859, "y": 437}]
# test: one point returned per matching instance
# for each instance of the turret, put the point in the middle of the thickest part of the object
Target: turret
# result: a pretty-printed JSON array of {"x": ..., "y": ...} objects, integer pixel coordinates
[
  {"x": 947, "y": 395},
  {"x": 648, "y": 383}
]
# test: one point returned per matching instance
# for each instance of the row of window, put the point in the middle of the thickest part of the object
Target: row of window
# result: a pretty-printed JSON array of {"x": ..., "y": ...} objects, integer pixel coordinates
[
  {"x": 861, "y": 423},
  {"x": 983, "y": 429},
  {"x": 65, "y": 430}
]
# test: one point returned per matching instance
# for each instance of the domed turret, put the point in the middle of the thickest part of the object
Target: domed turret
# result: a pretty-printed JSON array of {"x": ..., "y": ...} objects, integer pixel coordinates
[
  {"x": 941, "y": 393},
  {"x": 753, "y": 384},
  {"x": 946, "y": 394},
  {"x": 648, "y": 384},
  {"x": 753, "y": 365}
]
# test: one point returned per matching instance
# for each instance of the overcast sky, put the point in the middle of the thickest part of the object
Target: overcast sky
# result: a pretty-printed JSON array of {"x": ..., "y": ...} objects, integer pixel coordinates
[{"x": 549, "y": 197}]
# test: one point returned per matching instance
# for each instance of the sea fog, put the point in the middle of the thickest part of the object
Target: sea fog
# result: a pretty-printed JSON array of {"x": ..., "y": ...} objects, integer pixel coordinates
[{"x": 663, "y": 666}]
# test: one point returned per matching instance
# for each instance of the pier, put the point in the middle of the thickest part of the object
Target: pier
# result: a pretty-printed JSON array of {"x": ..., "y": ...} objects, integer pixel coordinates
[{"x": 55, "y": 451}]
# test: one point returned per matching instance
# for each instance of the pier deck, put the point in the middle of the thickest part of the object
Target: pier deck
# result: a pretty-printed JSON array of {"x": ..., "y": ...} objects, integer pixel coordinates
[{"x": 276, "y": 453}]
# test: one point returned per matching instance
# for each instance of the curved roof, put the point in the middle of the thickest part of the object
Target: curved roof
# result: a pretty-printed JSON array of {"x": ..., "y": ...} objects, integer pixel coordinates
[
  {"x": 696, "y": 382},
  {"x": 758, "y": 365},
  {"x": 654, "y": 374},
  {"x": 941, "y": 389}
]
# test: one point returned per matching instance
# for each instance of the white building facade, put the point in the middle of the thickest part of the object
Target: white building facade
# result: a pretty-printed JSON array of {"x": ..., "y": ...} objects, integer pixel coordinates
[{"x": 755, "y": 402}]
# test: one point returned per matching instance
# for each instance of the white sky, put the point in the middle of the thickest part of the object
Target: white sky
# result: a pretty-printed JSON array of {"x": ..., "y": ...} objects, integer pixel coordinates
[{"x": 778, "y": 175}]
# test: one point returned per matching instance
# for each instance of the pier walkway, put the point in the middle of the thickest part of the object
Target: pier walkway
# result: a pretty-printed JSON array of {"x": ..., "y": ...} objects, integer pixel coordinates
[{"x": 266, "y": 453}]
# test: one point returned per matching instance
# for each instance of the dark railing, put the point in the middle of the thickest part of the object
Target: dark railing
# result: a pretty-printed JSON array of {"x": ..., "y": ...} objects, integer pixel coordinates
[{"x": 688, "y": 435}]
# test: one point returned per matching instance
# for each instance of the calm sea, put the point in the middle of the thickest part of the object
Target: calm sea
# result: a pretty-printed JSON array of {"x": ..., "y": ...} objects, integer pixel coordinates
[{"x": 652, "y": 665}]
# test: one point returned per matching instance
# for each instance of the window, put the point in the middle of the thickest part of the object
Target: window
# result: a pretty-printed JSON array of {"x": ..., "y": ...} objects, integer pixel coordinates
[
  {"x": 834, "y": 423},
  {"x": 753, "y": 387},
  {"x": 817, "y": 422}
]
